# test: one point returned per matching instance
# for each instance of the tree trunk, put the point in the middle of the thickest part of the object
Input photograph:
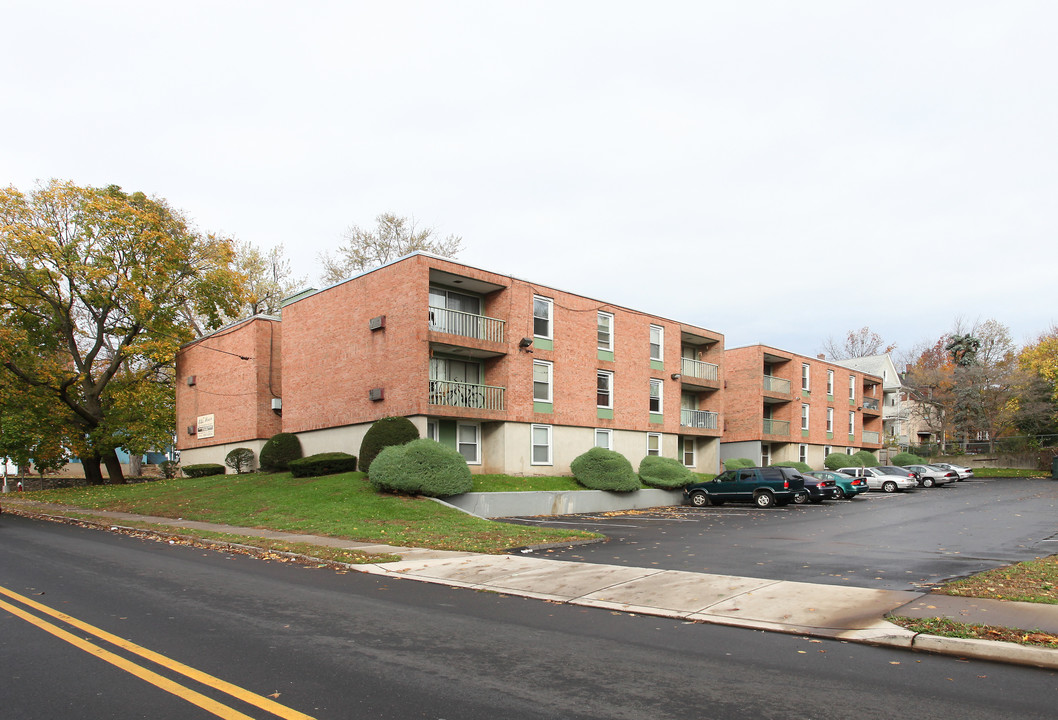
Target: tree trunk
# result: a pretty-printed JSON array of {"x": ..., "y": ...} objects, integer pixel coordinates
[
  {"x": 92, "y": 474},
  {"x": 117, "y": 477},
  {"x": 135, "y": 465}
]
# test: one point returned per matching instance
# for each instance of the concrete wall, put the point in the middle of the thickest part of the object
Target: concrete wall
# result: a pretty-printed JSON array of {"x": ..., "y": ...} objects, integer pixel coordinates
[{"x": 529, "y": 504}]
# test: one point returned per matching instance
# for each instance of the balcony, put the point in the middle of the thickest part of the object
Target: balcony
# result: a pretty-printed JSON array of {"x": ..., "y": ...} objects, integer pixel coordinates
[
  {"x": 698, "y": 372},
  {"x": 464, "y": 324},
  {"x": 776, "y": 389},
  {"x": 777, "y": 427},
  {"x": 700, "y": 419},
  {"x": 466, "y": 395},
  {"x": 871, "y": 406},
  {"x": 871, "y": 438}
]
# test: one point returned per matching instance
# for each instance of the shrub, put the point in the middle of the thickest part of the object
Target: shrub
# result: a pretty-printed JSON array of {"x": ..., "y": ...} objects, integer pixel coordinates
[
  {"x": 665, "y": 473},
  {"x": 421, "y": 467},
  {"x": 383, "y": 433},
  {"x": 736, "y": 463},
  {"x": 797, "y": 464},
  {"x": 204, "y": 470},
  {"x": 833, "y": 461},
  {"x": 863, "y": 458},
  {"x": 322, "y": 464},
  {"x": 169, "y": 468},
  {"x": 906, "y": 458},
  {"x": 279, "y": 451},
  {"x": 240, "y": 460},
  {"x": 602, "y": 469}
]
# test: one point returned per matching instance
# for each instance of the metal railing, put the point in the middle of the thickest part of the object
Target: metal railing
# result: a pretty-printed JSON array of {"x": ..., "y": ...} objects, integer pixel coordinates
[
  {"x": 870, "y": 404},
  {"x": 699, "y": 369},
  {"x": 457, "y": 322},
  {"x": 776, "y": 427},
  {"x": 776, "y": 385},
  {"x": 466, "y": 395},
  {"x": 701, "y": 419},
  {"x": 869, "y": 436}
]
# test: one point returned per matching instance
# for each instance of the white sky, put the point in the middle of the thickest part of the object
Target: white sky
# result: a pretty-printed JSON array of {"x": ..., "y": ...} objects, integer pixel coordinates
[{"x": 779, "y": 172}]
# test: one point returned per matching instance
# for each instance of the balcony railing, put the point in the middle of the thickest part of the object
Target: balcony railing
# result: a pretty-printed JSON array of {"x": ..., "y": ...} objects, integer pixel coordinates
[
  {"x": 457, "y": 322},
  {"x": 777, "y": 427},
  {"x": 869, "y": 436},
  {"x": 776, "y": 385},
  {"x": 870, "y": 404},
  {"x": 699, "y": 369},
  {"x": 701, "y": 419},
  {"x": 466, "y": 395}
]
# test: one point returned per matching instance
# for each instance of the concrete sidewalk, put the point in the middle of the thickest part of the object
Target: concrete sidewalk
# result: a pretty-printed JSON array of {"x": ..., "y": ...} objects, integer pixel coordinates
[{"x": 829, "y": 611}]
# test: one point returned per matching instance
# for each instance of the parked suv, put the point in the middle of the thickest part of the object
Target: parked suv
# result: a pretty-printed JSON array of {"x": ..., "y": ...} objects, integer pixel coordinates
[{"x": 763, "y": 486}]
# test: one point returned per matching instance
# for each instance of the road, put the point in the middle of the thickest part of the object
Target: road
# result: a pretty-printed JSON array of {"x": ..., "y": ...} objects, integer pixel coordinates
[{"x": 900, "y": 541}]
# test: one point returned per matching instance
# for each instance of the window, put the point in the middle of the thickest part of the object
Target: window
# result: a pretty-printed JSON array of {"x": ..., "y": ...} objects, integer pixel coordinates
[
  {"x": 467, "y": 442},
  {"x": 850, "y": 451},
  {"x": 805, "y": 372},
  {"x": 802, "y": 453},
  {"x": 852, "y": 423},
  {"x": 542, "y": 311},
  {"x": 604, "y": 395},
  {"x": 765, "y": 455},
  {"x": 804, "y": 417},
  {"x": 541, "y": 441},
  {"x": 657, "y": 342},
  {"x": 432, "y": 430},
  {"x": 606, "y": 331},
  {"x": 827, "y": 450},
  {"x": 604, "y": 438},
  {"x": 689, "y": 459},
  {"x": 653, "y": 443},
  {"x": 830, "y": 382},
  {"x": 542, "y": 371},
  {"x": 830, "y": 419},
  {"x": 852, "y": 387},
  {"x": 655, "y": 396}
]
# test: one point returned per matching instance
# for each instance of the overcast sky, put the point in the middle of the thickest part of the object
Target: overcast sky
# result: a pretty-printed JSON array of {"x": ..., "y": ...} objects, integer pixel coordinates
[{"x": 779, "y": 172}]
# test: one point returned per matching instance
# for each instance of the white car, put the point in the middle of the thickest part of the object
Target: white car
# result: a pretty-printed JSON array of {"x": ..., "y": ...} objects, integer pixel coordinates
[
  {"x": 933, "y": 475},
  {"x": 962, "y": 472},
  {"x": 877, "y": 480}
]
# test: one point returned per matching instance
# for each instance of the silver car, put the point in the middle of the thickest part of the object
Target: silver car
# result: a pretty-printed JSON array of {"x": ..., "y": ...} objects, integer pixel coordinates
[
  {"x": 931, "y": 475},
  {"x": 962, "y": 472},
  {"x": 877, "y": 480}
]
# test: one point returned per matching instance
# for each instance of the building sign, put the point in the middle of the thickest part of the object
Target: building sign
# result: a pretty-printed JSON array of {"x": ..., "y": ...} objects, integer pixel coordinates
[{"x": 205, "y": 426}]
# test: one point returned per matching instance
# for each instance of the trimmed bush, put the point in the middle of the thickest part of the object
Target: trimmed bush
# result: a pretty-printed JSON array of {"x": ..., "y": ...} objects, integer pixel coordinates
[
  {"x": 833, "y": 461},
  {"x": 665, "y": 473},
  {"x": 737, "y": 463},
  {"x": 383, "y": 433},
  {"x": 602, "y": 469},
  {"x": 240, "y": 460},
  {"x": 322, "y": 464},
  {"x": 863, "y": 458},
  {"x": 279, "y": 451},
  {"x": 797, "y": 464},
  {"x": 203, "y": 470},
  {"x": 906, "y": 458},
  {"x": 421, "y": 467},
  {"x": 169, "y": 468}
]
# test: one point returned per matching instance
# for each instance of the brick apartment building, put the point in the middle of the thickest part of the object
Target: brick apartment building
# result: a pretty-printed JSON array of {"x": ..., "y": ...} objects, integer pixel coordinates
[
  {"x": 780, "y": 406},
  {"x": 518, "y": 377}
]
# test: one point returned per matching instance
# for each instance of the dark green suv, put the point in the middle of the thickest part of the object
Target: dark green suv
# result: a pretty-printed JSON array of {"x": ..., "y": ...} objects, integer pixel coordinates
[{"x": 763, "y": 486}]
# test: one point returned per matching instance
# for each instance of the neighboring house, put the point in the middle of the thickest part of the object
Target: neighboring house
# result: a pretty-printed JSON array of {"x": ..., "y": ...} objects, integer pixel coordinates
[
  {"x": 781, "y": 406},
  {"x": 896, "y": 428},
  {"x": 518, "y": 377}
]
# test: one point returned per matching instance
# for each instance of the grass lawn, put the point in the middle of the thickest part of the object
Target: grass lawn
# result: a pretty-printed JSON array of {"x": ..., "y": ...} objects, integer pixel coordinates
[
  {"x": 1010, "y": 472},
  {"x": 343, "y": 505}
]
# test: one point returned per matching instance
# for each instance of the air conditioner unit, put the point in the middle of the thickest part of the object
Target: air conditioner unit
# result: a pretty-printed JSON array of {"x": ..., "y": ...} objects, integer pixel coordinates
[
  {"x": 277, "y": 403},
  {"x": 375, "y": 394},
  {"x": 192, "y": 379},
  {"x": 191, "y": 429},
  {"x": 377, "y": 323}
]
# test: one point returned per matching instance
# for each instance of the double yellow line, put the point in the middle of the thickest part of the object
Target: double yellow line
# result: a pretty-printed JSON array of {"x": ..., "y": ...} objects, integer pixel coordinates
[{"x": 185, "y": 693}]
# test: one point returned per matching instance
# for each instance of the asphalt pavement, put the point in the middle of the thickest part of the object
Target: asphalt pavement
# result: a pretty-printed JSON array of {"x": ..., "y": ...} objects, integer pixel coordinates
[{"x": 853, "y": 614}]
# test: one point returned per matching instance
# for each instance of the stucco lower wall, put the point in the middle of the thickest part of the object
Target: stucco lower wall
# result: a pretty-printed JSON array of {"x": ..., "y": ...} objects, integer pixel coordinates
[
  {"x": 528, "y": 504},
  {"x": 217, "y": 453}
]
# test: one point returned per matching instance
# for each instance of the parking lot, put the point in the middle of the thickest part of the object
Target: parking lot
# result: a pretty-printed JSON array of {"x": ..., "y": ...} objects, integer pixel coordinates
[{"x": 902, "y": 541}]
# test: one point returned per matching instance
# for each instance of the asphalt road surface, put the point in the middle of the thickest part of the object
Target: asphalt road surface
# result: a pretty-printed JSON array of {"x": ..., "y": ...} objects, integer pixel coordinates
[
  {"x": 166, "y": 631},
  {"x": 899, "y": 541}
]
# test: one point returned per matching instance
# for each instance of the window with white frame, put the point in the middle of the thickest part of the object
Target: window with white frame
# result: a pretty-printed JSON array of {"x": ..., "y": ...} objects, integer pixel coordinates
[
  {"x": 689, "y": 459},
  {"x": 656, "y": 401},
  {"x": 657, "y": 342},
  {"x": 606, "y": 331},
  {"x": 433, "y": 430},
  {"x": 830, "y": 382},
  {"x": 542, "y": 381},
  {"x": 804, "y": 417},
  {"x": 827, "y": 450},
  {"x": 830, "y": 419},
  {"x": 653, "y": 443},
  {"x": 806, "y": 371},
  {"x": 852, "y": 423},
  {"x": 604, "y": 393},
  {"x": 852, "y": 387},
  {"x": 541, "y": 445},
  {"x": 850, "y": 451},
  {"x": 543, "y": 309},
  {"x": 468, "y": 443},
  {"x": 604, "y": 438},
  {"x": 802, "y": 453}
]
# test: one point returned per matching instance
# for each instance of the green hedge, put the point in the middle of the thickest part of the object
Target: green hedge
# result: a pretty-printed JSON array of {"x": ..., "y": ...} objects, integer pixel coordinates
[
  {"x": 602, "y": 469},
  {"x": 204, "y": 470},
  {"x": 421, "y": 467},
  {"x": 737, "y": 463},
  {"x": 322, "y": 464},
  {"x": 833, "y": 461},
  {"x": 665, "y": 473},
  {"x": 797, "y": 464},
  {"x": 383, "y": 433},
  {"x": 279, "y": 451},
  {"x": 906, "y": 458},
  {"x": 863, "y": 458}
]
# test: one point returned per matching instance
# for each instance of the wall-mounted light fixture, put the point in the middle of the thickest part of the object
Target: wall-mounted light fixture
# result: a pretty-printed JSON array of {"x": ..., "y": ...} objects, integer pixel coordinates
[
  {"x": 676, "y": 376},
  {"x": 525, "y": 343}
]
